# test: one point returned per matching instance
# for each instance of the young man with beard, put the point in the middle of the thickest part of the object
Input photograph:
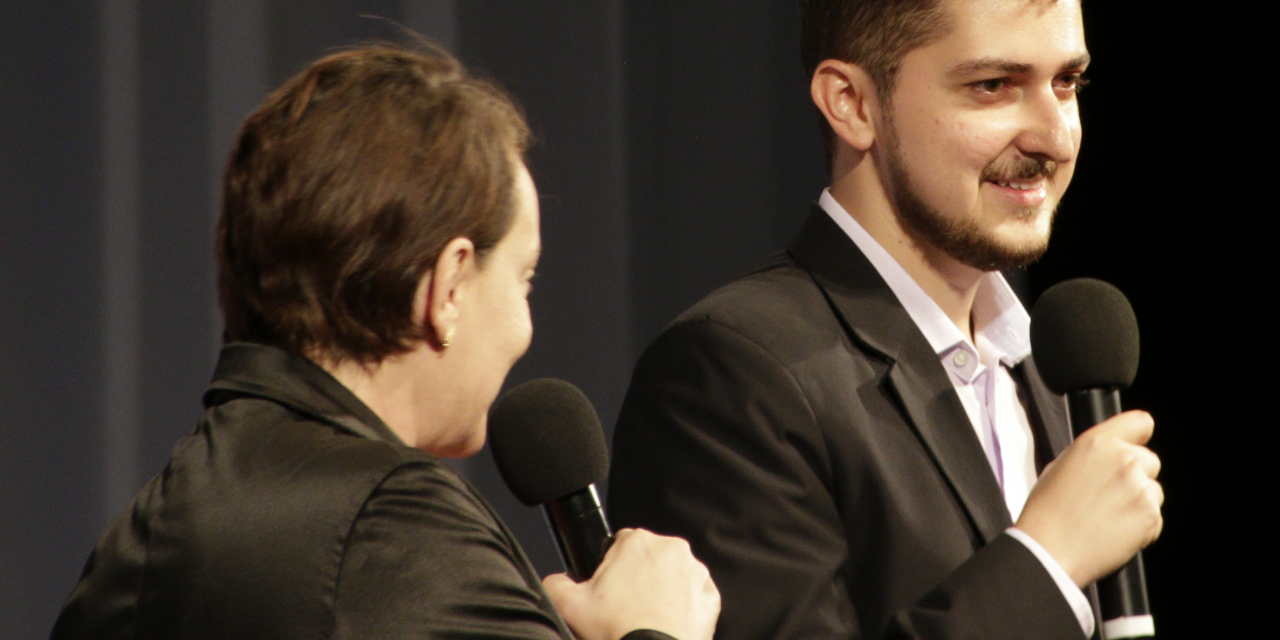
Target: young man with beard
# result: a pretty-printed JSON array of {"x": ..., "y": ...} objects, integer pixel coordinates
[{"x": 854, "y": 438}]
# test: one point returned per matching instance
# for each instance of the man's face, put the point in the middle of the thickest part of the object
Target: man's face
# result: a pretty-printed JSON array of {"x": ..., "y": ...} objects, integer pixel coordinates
[{"x": 983, "y": 130}]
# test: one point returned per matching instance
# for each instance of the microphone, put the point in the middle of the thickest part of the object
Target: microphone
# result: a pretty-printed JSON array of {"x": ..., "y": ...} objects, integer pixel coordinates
[
  {"x": 1084, "y": 338},
  {"x": 547, "y": 441}
]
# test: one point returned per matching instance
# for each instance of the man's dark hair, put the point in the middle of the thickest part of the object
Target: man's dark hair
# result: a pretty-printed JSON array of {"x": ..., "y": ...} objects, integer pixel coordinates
[
  {"x": 344, "y": 187},
  {"x": 873, "y": 34}
]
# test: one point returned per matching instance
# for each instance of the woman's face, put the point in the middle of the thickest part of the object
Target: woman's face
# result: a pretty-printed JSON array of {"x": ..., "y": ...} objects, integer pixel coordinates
[{"x": 494, "y": 327}]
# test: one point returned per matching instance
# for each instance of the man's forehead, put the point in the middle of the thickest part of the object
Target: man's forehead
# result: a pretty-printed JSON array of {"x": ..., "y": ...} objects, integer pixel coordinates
[{"x": 1018, "y": 34}]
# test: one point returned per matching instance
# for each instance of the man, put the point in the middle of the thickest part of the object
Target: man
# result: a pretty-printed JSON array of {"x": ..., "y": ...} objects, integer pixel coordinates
[{"x": 848, "y": 435}]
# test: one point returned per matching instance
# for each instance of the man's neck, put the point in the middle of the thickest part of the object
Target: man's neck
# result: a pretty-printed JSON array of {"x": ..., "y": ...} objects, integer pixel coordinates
[{"x": 952, "y": 285}]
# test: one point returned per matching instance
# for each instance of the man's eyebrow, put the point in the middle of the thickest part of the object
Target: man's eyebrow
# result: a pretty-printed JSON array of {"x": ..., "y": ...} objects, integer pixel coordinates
[
  {"x": 989, "y": 64},
  {"x": 1004, "y": 65},
  {"x": 1081, "y": 61}
]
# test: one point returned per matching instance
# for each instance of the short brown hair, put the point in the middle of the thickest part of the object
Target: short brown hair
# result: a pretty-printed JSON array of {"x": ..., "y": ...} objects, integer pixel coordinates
[
  {"x": 873, "y": 34},
  {"x": 343, "y": 188}
]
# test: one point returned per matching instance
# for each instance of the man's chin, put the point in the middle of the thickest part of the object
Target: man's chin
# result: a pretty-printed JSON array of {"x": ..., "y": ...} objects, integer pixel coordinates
[
  {"x": 1021, "y": 240},
  {"x": 1000, "y": 254}
]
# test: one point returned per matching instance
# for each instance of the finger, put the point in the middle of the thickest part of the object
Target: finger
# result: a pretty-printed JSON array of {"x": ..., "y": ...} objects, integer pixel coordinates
[
  {"x": 712, "y": 597},
  {"x": 557, "y": 583},
  {"x": 565, "y": 595},
  {"x": 675, "y": 545},
  {"x": 620, "y": 540},
  {"x": 710, "y": 589},
  {"x": 1155, "y": 533},
  {"x": 1156, "y": 493},
  {"x": 622, "y": 535},
  {"x": 563, "y": 592},
  {"x": 1149, "y": 462},
  {"x": 629, "y": 546},
  {"x": 1134, "y": 427}
]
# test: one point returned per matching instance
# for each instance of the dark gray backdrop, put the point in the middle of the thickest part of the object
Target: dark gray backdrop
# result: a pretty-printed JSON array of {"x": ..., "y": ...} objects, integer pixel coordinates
[{"x": 676, "y": 149}]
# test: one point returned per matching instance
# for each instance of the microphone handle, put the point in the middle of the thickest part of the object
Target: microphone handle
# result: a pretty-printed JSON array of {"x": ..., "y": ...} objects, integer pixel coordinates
[
  {"x": 1122, "y": 596},
  {"x": 581, "y": 531}
]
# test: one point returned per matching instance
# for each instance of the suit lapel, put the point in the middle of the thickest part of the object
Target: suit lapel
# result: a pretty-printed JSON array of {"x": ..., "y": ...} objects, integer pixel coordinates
[
  {"x": 1048, "y": 413},
  {"x": 875, "y": 319},
  {"x": 929, "y": 398}
]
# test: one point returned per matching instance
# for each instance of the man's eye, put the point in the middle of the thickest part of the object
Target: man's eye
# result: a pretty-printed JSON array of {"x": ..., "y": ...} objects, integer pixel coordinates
[
  {"x": 991, "y": 86},
  {"x": 1074, "y": 82}
]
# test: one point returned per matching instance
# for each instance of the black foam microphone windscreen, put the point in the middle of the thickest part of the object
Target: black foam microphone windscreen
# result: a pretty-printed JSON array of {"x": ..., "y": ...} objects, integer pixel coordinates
[
  {"x": 547, "y": 440},
  {"x": 1084, "y": 338},
  {"x": 549, "y": 447}
]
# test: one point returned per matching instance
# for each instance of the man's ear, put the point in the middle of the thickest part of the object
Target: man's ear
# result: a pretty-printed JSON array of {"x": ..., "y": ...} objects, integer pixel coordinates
[
  {"x": 847, "y": 98},
  {"x": 441, "y": 292}
]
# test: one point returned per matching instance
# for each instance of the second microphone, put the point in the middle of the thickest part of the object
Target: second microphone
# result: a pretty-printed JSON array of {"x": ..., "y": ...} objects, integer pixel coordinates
[{"x": 549, "y": 447}]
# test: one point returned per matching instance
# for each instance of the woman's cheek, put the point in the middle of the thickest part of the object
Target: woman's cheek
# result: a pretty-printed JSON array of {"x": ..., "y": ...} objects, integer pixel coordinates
[
  {"x": 525, "y": 321},
  {"x": 518, "y": 325}
]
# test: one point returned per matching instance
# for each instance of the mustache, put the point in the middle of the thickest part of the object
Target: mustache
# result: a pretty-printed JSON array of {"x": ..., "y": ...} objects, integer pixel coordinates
[{"x": 1019, "y": 169}]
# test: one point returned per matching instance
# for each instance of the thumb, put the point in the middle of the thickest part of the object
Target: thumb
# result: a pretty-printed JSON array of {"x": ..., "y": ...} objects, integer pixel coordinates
[
  {"x": 569, "y": 598},
  {"x": 562, "y": 590},
  {"x": 558, "y": 584},
  {"x": 1134, "y": 427}
]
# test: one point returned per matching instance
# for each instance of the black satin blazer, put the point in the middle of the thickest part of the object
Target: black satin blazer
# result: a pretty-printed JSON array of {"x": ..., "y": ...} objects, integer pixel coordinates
[
  {"x": 294, "y": 512},
  {"x": 797, "y": 428}
]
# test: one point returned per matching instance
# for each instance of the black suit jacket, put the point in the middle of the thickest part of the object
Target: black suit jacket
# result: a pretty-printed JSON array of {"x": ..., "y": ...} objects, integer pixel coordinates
[
  {"x": 797, "y": 428},
  {"x": 294, "y": 512}
]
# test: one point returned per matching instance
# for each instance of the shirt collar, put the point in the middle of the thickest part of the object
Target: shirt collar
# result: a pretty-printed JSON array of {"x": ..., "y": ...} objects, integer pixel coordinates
[
  {"x": 997, "y": 313},
  {"x": 258, "y": 370}
]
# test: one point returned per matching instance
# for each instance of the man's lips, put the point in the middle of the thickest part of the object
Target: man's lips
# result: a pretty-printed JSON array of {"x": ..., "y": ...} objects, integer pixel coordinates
[{"x": 1025, "y": 193}]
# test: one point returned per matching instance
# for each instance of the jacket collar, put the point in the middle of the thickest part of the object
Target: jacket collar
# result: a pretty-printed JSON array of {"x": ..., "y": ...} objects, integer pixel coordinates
[
  {"x": 872, "y": 315},
  {"x": 1054, "y": 427},
  {"x": 261, "y": 371}
]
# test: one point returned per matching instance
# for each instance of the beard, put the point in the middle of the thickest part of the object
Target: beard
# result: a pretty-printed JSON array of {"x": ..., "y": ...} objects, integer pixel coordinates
[{"x": 962, "y": 238}]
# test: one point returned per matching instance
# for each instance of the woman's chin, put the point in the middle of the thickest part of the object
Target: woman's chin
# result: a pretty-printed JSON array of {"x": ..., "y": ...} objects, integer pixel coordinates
[{"x": 461, "y": 448}]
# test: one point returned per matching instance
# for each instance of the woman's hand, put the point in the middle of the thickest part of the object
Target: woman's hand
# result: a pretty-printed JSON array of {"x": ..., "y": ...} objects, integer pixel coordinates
[{"x": 646, "y": 581}]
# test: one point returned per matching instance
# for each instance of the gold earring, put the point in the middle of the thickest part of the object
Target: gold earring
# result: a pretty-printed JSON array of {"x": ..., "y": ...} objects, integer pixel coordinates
[{"x": 447, "y": 338}]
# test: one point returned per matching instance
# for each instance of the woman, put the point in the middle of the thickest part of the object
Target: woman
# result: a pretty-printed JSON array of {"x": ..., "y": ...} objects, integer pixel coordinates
[{"x": 378, "y": 233}]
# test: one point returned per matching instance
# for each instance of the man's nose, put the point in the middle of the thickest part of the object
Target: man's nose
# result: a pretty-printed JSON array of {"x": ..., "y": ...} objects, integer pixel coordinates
[{"x": 1050, "y": 127}]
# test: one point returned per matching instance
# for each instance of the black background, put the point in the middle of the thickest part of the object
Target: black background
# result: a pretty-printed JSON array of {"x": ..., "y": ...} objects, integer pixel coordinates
[{"x": 1158, "y": 208}]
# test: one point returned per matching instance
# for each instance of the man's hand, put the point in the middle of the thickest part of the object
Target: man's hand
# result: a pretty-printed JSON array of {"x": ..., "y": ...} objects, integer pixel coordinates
[
  {"x": 1098, "y": 503},
  {"x": 645, "y": 581}
]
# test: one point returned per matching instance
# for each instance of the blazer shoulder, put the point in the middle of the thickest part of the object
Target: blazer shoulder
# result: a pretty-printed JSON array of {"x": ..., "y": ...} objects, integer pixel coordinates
[
  {"x": 259, "y": 493},
  {"x": 427, "y": 556},
  {"x": 266, "y": 438},
  {"x": 774, "y": 304}
]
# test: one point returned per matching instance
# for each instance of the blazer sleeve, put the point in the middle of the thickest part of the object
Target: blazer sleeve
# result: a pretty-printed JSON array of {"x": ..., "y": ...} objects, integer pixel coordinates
[
  {"x": 717, "y": 443},
  {"x": 1001, "y": 592},
  {"x": 424, "y": 560}
]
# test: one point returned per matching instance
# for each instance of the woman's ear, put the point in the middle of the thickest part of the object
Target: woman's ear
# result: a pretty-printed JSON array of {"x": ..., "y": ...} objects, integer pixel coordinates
[
  {"x": 442, "y": 290},
  {"x": 847, "y": 98}
]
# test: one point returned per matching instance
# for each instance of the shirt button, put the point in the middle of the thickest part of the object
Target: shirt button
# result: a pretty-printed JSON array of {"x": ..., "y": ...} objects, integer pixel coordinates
[{"x": 961, "y": 358}]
